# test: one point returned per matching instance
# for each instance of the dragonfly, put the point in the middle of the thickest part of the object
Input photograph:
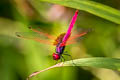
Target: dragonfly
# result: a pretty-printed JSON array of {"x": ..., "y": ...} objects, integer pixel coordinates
[{"x": 60, "y": 42}]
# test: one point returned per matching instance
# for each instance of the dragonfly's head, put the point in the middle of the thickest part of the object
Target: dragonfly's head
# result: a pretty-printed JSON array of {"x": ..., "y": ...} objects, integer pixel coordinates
[{"x": 56, "y": 56}]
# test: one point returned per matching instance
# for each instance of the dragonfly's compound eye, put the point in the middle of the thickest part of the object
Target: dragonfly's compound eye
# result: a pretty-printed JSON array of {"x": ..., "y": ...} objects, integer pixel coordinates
[{"x": 56, "y": 56}]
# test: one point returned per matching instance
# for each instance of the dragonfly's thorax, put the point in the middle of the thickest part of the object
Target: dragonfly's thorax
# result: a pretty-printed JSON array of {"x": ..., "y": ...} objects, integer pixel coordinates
[
  {"x": 60, "y": 49},
  {"x": 59, "y": 39}
]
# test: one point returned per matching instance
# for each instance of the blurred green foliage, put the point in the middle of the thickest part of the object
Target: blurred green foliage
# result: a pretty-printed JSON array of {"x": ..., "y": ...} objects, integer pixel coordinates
[{"x": 20, "y": 57}]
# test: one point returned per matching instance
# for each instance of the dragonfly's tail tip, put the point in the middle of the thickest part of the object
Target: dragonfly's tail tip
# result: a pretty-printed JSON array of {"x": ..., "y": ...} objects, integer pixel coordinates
[{"x": 77, "y": 11}]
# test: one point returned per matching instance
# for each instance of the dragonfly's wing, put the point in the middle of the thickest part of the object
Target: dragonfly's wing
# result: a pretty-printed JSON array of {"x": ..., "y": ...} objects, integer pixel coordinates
[
  {"x": 37, "y": 30},
  {"x": 72, "y": 39},
  {"x": 80, "y": 32},
  {"x": 77, "y": 35},
  {"x": 34, "y": 36},
  {"x": 71, "y": 42}
]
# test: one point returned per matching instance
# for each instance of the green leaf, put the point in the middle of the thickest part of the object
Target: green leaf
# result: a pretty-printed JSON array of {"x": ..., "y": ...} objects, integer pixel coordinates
[
  {"x": 95, "y": 8},
  {"x": 98, "y": 62}
]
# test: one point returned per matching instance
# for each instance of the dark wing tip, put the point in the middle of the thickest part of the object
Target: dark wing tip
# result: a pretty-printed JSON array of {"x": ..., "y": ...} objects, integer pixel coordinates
[
  {"x": 30, "y": 27},
  {"x": 17, "y": 34}
]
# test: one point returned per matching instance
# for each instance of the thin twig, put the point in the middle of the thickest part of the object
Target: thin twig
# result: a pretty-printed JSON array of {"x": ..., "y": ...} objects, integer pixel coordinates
[{"x": 37, "y": 72}]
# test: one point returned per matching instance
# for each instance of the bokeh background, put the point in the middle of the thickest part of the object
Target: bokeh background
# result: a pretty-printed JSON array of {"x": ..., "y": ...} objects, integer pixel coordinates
[{"x": 20, "y": 57}]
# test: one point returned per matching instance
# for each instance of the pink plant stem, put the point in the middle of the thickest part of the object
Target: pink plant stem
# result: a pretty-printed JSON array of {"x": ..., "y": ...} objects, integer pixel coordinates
[{"x": 70, "y": 27}]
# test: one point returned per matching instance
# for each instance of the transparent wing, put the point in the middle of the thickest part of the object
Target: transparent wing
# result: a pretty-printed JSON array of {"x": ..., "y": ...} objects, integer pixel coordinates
[
  {"x": 80, "y": 32},
  {"x": 39, "y": 37},
  {"x": 36, "y": 35},
  {"x": 79, "y": 36},
  {"x": 40, "y": 32},
  {"x": 33, "y": 36}
]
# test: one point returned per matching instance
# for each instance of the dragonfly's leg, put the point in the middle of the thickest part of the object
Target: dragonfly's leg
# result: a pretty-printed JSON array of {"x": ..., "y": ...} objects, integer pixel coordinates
[
  {"x": 65, "y": 51},
  {"x": 62, "y": 58},
  {"x": 70, "y": 57}
]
